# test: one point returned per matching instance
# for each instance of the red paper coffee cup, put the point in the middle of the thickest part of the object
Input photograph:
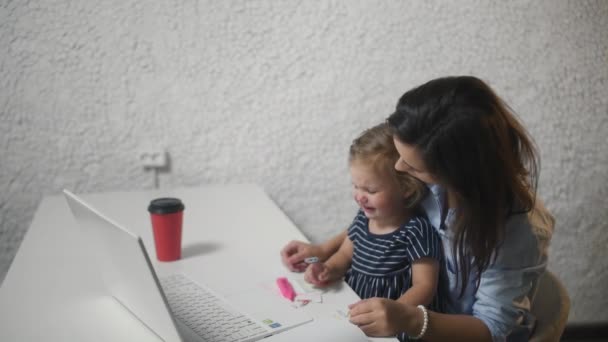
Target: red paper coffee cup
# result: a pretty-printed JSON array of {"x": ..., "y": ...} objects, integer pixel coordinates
[{"x": 167, "y": 217}]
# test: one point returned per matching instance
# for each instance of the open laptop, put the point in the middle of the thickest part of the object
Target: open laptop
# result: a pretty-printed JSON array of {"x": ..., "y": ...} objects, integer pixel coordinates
[{"x": 174, "y": 307}]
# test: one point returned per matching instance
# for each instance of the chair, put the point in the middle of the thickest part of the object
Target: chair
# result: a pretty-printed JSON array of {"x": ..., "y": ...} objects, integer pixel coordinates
[{"x": 551, "y": 306}]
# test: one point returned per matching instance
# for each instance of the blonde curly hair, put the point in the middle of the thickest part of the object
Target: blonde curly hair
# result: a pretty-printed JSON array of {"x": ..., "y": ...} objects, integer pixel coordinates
[{"x": 375, "y": 147}]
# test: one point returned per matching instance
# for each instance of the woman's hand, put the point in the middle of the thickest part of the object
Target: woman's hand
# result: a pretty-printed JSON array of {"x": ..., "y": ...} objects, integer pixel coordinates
[
  {"x": 385, "y": 317},
  {"x": 320, "y": 275},
  {"x": 294, "y": 253}
]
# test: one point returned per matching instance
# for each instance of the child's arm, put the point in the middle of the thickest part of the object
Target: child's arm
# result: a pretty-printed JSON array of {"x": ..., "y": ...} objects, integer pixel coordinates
[
  {"x": 323, "y": 274},
  {"x": 341, "y": 260},
  {"x": 425, "y": 274}
]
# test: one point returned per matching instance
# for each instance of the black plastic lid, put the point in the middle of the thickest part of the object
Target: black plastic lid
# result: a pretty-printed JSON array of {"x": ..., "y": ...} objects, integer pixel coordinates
[{"x": 165, "y": 205}]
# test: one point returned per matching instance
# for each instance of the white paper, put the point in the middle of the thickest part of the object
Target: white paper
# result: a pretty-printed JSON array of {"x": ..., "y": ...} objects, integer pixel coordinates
[
  {"x": 310, "y": 296},
  {"x": 331, "y": 327},
  {"x": 306, "y": 287}
]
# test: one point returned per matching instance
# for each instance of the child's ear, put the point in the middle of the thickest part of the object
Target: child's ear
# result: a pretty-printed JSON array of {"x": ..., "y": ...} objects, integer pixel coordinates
[
  {"x": 407, "y": 198},
  {"x": 407, "y": 193}
]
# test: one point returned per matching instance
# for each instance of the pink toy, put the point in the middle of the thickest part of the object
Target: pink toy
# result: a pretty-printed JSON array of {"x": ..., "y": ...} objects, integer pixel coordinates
[{"x": 286, "y": 288}]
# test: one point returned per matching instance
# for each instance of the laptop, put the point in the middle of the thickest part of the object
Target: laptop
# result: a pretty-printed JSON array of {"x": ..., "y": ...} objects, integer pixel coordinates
[{"x": 175, "y": 307}]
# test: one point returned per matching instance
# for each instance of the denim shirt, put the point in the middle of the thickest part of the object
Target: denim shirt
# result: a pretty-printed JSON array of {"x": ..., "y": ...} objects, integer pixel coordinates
[{"x": 509, "y": 284}]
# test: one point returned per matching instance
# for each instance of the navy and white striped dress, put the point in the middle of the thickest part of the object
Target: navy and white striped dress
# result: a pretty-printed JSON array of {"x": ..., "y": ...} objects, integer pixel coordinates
[{"x": 381, "y": 265}]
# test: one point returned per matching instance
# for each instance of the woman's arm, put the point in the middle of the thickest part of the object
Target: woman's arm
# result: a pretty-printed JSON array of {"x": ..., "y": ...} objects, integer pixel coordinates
[
  {"x": 425, "y": 274},
  {"x": 385, "y": 317},
  {"x": 453, "y": 328}
]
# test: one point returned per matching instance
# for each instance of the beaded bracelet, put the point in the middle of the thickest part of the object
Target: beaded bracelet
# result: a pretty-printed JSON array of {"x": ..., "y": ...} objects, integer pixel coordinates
[{"x": 425, "y": 323}]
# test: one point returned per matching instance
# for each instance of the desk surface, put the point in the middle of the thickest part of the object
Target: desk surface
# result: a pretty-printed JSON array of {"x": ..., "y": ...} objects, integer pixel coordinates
[{"x": 230, "y": 232}]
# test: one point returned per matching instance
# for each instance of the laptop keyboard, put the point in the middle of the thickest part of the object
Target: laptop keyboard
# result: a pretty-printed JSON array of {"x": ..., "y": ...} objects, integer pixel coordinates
[{"x": 205, "y": 313}]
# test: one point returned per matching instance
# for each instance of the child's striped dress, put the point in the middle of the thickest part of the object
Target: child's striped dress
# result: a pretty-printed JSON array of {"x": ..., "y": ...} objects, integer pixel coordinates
[{"x": 381, "y": 265}]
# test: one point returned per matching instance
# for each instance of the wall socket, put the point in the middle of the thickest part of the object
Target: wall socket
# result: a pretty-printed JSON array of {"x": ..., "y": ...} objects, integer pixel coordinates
[{"x": 153, "y": 158}]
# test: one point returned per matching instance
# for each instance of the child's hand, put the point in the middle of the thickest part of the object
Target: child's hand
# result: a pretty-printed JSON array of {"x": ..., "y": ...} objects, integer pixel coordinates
[{"x": 318, "y": 274}]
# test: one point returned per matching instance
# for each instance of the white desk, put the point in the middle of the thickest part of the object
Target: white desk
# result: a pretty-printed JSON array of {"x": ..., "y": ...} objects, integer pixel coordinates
[{"x": 231, "y": 234}]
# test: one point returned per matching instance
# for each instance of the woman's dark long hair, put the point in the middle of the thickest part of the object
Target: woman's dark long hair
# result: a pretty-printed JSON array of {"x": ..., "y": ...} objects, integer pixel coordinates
[{"x": 473, "y": 144}]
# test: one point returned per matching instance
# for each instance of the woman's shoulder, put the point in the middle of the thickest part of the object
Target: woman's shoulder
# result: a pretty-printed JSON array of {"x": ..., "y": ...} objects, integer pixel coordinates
[{"x": 527, "y": 235}]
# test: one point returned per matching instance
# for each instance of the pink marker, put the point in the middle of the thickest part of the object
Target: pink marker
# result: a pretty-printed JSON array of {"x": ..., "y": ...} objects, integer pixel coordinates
[{"x": 286, "y": 288}]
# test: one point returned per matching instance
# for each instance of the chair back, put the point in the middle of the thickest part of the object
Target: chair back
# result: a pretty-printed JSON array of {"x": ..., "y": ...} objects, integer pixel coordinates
[{"x": 551, "y": 306}]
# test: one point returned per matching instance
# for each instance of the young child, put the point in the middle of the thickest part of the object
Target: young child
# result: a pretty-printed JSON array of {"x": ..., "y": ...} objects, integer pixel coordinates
[{"x": 391, "y": 250}]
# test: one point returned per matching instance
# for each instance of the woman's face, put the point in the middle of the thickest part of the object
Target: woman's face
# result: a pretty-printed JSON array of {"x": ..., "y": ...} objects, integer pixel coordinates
[{"x": 411, "y": 162}]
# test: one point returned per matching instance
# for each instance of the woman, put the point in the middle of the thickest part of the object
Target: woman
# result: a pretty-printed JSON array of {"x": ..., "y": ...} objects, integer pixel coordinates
[{"x": 456, "y": 135}]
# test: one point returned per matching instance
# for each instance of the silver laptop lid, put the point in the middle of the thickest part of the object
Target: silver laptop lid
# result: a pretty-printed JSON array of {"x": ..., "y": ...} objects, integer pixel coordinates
[{"x": 126, "y": 268}]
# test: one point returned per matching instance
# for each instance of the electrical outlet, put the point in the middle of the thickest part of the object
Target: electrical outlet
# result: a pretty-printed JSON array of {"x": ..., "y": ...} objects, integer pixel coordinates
[{"x": 153, "y": 158}]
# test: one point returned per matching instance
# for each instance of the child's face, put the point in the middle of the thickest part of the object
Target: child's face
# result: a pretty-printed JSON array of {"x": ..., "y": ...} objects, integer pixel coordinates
[{"x": 376, "y": 194}]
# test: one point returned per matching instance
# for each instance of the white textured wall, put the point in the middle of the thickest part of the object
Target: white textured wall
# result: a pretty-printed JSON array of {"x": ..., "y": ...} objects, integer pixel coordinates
[{"x": 273, "y": 92}]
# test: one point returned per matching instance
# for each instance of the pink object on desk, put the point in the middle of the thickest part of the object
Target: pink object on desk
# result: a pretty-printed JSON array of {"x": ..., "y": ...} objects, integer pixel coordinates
[{"x": 286, "y": 288}]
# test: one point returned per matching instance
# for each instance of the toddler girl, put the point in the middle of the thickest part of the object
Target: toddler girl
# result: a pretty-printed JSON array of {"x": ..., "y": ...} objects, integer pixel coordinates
[{"x": 391, "y": 250}]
